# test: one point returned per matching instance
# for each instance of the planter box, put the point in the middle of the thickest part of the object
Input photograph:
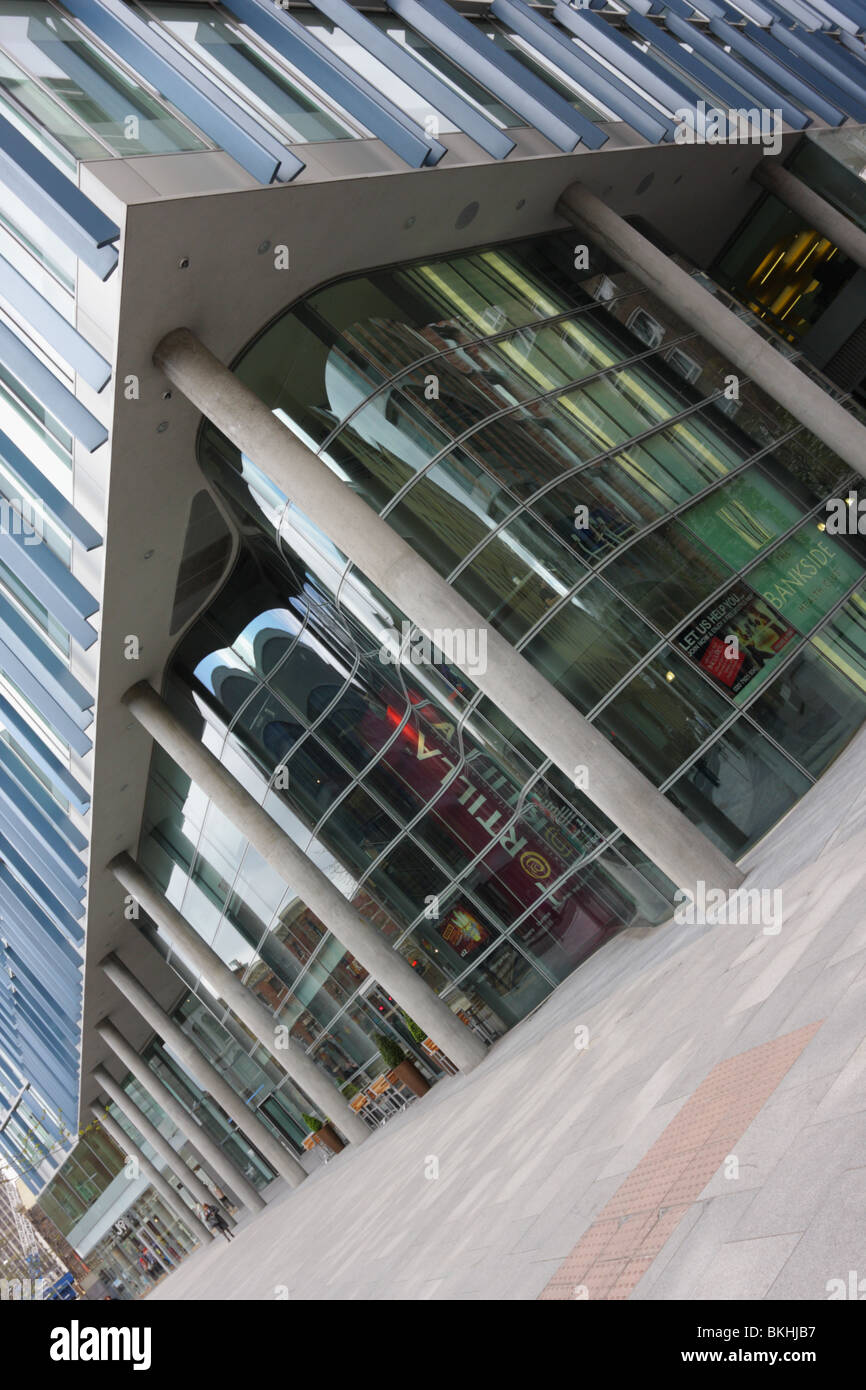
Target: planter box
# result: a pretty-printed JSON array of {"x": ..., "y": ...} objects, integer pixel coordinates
[{"x": 407, "y": 1074}]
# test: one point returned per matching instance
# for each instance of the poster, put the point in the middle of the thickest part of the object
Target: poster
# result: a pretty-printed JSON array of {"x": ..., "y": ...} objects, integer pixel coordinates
[
  {"x": 463, "y": 932},
  {"x": 738, "y": 640}
]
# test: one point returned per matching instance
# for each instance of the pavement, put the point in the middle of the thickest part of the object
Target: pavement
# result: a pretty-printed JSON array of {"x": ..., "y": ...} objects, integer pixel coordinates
[{"x": 684, "y": 1118}]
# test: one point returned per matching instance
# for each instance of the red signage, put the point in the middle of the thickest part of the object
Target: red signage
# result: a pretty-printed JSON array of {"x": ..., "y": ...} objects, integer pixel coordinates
[{"x": 474, "y": 802}]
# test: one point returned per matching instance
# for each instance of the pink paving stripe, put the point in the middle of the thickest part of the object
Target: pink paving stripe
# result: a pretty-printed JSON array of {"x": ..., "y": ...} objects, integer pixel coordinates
[{"x": 621, "y": 1244}]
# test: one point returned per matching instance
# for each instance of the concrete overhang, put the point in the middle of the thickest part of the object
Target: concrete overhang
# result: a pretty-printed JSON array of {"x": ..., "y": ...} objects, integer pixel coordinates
[{"x": 195, "y": 262}]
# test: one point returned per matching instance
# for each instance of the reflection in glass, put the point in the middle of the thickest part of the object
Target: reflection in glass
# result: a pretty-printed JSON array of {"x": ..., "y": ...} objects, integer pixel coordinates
[
  {"x": 811, "y": 709},
  {"x": 662, "y": 716},
  {"x": 739, "y": 788}
]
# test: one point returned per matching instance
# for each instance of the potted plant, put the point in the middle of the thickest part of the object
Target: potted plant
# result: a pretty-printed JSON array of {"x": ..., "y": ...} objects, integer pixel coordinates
[
  {"x": 325, "y": 1132},
  {"x": 402, "y": 1069},
  {"x": 414, "y": 1029}
]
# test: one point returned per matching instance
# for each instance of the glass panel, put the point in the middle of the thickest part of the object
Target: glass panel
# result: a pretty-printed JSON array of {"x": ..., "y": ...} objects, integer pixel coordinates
[
  {"x": 832, "y": 163},
  {"x": 36, "y": 612},
  {"x": 518, "y": 576},
  {"x": 105, "y": 99},
  {"x": 739, "y": 640},
  {"x": 384, "y": 444},
  {"x": 807, "y": 468},
  {"x": 532, "y": 446},
  {"x": 250, "y": 72},
  {"x": 666, "y": 574},
  {"x": 662, "y": 716},
  {"x": 38, "y": 240},
  {"x": 450, "y": 72},
  {"x": 449, "y": 510},
  {"x": 574, "y": 921},
  {"x": 47, "y": 114},
  {"x": 589, "y": 645},
  {"x": 506, "y": 984},
  {"x": 393, "y": 88},
  {"x": 742, "y": 517},
  {"x": 842, "y": 639},
  {"x": 738, "y": 788},
  {"x": 675, "y": 463},
  {"x": 22, "y": 415},
  {"x": 812, "y": 710},
  {"x": 782, "y": 269},
  {"x": 542, "y": 68},
  {"x": 598, "y": 509}
]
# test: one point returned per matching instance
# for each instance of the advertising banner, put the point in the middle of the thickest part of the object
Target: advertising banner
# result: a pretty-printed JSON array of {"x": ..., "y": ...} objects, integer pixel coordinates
[{"x": 738, "y": 640}]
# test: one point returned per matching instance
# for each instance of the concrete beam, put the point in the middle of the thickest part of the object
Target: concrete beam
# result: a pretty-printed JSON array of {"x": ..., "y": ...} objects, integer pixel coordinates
[
  {"x": 746, "y": 350},
  {"x": 153, "y": 1175},
  {"x": 313, "y": 887},
  {"x": 523, "y": 694},
  {"x": 814, "y": 209},
  {"x": 243, "y": 1003},
  {"x": 215, "y": 1157},
  {"x": 203, "y": 1071}
]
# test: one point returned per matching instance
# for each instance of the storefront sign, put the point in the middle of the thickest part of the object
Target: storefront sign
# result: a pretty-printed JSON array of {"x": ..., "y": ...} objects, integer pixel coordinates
[{"x": 806, "y": 576}]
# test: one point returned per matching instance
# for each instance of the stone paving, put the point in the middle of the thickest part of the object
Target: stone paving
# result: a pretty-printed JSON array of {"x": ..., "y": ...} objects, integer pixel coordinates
[{"x": 745, "y": 1050}]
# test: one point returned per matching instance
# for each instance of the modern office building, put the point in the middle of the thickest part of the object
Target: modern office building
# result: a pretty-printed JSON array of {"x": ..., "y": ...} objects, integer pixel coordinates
[{"x": 429, "y": 545}]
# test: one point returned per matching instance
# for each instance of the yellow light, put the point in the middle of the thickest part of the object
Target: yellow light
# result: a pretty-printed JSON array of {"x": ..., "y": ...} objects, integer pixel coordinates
[
  {"x": 669, "y": 676},
  {"x": 822, "y": 526}
]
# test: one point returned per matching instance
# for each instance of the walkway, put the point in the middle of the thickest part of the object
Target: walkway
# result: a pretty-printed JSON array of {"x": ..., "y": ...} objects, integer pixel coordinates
[{"x": 708, "y": 1142}]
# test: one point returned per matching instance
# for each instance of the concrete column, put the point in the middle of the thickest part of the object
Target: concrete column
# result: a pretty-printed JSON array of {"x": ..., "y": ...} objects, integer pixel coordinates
[
  {"x": 747, "y": 350},
  {"x": 204, "y": 1072},
  {"x": 507, "y": 678},
  {"x": 153, "y": 1175},
  {"x": 243, "y": 1003},
  {"x": 211, "y": 1153},
  {"x": 148, "y": 1130},
  {"x": 366, "y": 942},
  {"x": 814, "y": 209}
]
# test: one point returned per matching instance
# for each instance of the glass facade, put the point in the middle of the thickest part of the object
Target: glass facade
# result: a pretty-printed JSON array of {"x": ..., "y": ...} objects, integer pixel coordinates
[
  {"x": 250, "y": 72},
  {"x": 574, "y": 461},
  {"x": 71, "y": 98},
  {"x": 90, "y": 1168}
]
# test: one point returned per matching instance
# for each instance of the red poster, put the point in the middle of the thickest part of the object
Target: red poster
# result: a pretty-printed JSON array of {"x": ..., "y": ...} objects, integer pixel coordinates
[{"x": 717, "y": 660}]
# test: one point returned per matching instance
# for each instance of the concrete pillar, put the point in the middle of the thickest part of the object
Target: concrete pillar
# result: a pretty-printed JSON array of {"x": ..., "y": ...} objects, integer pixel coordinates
[
  {"x": 215, "y": 1157},
  {"x": 153, "y": 1175},
  {"x": 747, "y": 351},
  {"x": 204, "y": 1072},
  {"x": 243, "y": 1003},
  {"x": 148, "y": 1130},
  {"x": 507, "y": 678},
  {"x": 366, "y": 942},
  {"x": 814, "y": 209}
]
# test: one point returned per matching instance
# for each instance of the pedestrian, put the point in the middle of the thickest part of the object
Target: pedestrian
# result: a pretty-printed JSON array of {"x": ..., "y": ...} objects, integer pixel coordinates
[
  {"x": 223, "y": 1199},
  {"x": 217, "y": 1222}
]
